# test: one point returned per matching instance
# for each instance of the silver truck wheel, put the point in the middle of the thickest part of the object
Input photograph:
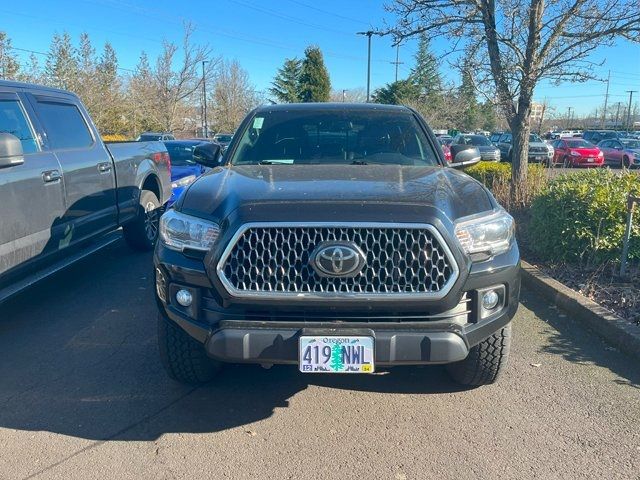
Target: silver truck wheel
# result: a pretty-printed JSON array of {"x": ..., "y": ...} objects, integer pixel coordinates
[{"x": 142, "y": 232}]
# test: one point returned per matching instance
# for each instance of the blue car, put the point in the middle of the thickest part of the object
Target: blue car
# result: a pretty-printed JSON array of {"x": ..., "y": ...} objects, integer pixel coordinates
[{"x": 184, "y": 170}]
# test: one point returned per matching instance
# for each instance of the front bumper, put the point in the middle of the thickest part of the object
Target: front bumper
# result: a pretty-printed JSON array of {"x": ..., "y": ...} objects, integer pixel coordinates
[{"x": 404, "y": 335}]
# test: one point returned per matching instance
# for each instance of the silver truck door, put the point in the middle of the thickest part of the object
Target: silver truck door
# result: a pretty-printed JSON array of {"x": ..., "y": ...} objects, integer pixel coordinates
[
  {"x": 87, "y": 170},
  {"x": 31, "y": 195}
]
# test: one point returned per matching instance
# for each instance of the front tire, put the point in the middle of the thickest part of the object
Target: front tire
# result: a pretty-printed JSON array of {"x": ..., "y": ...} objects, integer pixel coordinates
[
  {"x": 142, "y": 232},
  {"x": 485, "y": 362},
  {"x": 626, "y": 163},
  {"x": 184, "y": 358}
]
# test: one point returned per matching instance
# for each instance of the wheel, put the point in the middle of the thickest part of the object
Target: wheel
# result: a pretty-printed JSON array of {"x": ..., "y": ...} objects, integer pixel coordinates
[
  {"x": 142, "y": 232},
  {"x": 485, "y": 361},
  {"x": 184, "y": 358},
  {"x": 626, "y": 163}
]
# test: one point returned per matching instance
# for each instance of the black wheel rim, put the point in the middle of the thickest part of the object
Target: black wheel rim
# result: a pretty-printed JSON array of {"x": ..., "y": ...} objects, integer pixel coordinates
[{"x": 151, "y": 221}]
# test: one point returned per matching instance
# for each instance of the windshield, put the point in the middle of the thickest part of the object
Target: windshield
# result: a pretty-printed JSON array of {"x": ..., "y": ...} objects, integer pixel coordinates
[
  {"x": 223, "y": 138},
  {"x": 579, "y": 144},
  {"x": 631, "y": 143},
  {"x": 477, "y": 141},
  {"x": 181, "y": 155},
  {"x": 317, "y": 137},
  {"x": 533, "y": 138}
]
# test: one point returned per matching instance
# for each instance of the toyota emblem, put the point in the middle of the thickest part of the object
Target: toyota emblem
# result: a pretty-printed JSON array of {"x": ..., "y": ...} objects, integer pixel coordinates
[{"x": 337, "y": 259}]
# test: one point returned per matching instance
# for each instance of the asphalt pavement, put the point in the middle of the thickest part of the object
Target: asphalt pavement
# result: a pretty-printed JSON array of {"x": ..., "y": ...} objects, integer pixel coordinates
[{"x": 83, "y": 396}]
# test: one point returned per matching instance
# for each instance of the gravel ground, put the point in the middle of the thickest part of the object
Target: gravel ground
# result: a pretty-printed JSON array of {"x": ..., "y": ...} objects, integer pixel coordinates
[{"x": 82, "y": 395}]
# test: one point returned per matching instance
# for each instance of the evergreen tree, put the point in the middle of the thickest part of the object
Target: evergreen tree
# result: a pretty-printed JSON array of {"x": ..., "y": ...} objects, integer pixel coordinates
[
  {"x": 469, "y": 117},
  {"x": 425, "y": 74},
  {"x": 488, "y": 117},
  {"x": 396, "y": 93},
  {"x": 86, "y": 89},
  {"x": 110, "y": 113},
  {"x": 31, "y": 73},
  {"x": 61, "y": 69},
  {"x": 285, "y": 84},
  {"x": 314, "y": 85},
  {"x": 9, "y": 66}
]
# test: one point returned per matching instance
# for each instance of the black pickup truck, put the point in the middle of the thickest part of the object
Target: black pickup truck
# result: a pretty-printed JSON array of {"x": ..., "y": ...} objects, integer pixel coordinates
[
  {"x": 63, "y": 192},
  {"x": 336, "y": 238}
]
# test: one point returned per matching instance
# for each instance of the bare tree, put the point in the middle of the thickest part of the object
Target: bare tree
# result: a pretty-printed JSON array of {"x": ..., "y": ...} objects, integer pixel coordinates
[
  {"x": 233, "y": 97},
  {"x": 173, "y": 87},
  {"x": 515, "y": 44}
]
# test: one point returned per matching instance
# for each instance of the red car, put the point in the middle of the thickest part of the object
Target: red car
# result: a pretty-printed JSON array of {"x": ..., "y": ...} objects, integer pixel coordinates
[
  {"x": 446, "y": 148},
  {"x": 576, "y": 152}
]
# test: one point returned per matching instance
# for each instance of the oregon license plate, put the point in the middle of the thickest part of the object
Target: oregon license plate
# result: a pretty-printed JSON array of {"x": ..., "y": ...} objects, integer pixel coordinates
[{"x": 333, "y": 354}]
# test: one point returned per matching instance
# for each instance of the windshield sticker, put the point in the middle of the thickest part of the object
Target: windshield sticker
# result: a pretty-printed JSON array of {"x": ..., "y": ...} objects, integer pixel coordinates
[{"x": 257, "y": 122}]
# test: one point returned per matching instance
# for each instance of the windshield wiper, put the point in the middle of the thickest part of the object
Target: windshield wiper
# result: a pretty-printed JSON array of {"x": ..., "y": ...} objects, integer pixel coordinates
[{"x": 359, "y": 162}]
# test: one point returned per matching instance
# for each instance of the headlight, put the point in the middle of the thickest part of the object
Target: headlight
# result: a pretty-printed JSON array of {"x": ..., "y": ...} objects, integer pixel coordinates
[
  {"x": 492, "y": 234},
  {"x": 179, "y": 231},
  {"x": 575, "y": 154},
  {"x": 183, "y": 182},
  {"x": 549, "y": 150}
]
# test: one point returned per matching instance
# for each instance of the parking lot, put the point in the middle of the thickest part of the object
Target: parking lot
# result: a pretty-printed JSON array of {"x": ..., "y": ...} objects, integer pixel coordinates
[{"x": 84, "y": 396}]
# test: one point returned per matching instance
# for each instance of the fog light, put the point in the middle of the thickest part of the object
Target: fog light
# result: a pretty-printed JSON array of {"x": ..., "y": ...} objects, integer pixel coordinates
[
  {"x": 184, "y": 298},
  {"x": 489, "y": 300}
]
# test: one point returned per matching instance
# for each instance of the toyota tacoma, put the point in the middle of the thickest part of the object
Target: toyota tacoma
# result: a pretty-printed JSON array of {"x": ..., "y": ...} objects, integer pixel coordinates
[{"x": 335, "y": 237}]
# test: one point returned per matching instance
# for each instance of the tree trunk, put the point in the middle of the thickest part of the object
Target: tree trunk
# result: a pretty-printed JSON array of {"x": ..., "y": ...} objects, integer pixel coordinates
[{"x": 520, "y": 128}]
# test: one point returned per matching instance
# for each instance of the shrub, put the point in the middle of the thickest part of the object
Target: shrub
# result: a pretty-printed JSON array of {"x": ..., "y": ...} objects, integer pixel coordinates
[
  {"x": 114, "y": 138},
  {"x": 497, "y": 177},
  {"x": 582, "y": 217}
]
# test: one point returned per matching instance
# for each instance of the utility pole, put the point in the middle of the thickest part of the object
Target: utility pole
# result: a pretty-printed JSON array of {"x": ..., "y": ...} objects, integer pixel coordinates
[
  {"x": 569, "y": 117},
  {"x": 631, "y": 92},
  {"x": 204, "y": 102},
  {"x": 397, "y": 62},
  {"x": 617, "y": 115},
  {"x": 368, "y": 33},
  {"x": 344, "y": 95},
  {"x": 606, "y": 99}
]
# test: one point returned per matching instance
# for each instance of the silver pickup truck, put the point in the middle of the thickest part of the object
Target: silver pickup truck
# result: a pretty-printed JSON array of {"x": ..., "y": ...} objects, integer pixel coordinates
[{"x": 64, "y": 193}]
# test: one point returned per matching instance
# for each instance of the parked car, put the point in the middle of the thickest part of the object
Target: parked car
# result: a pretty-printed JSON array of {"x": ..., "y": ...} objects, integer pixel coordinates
[
  {"x": 446, "y": 150},
  {"x": 184, "y": 167},
  {"x": 335, "y": 237},
  {"x": 539, "y": 151},
  {"x": 495, "y": 136},
  {"x": 64, "y": 193},
  {"x": 623, "y": 152},
  {"x": 576, "y": 152},
  {"x": 596, "y": 136},
  {"x": 445, "y": 140},
  {"x": 488, "y": 151},
  {"x": 155, "y": 137},
  {"x": 224, "y": 139}
]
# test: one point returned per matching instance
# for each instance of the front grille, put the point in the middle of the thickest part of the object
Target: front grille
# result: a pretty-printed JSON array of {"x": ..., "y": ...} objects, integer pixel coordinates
[
  {"x": 537, "y": 150},
  {"x": 400, "y": 260},
  {"x": 490, "y": 155}
]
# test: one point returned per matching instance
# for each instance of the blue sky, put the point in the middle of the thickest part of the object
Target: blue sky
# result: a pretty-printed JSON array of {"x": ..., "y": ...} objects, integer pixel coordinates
[{"x": 260, "y": 35}]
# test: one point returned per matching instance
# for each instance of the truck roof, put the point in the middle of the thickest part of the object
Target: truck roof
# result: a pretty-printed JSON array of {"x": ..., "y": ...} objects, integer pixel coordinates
[
  {"x": 32, "y": 86},
  {"x": 312, "y": 107}
]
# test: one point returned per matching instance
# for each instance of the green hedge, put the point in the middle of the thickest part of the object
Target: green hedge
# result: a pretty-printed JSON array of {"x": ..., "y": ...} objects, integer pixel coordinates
[
  {"x": 497, "y": 178},
  {"x": 581, "y": 217}
]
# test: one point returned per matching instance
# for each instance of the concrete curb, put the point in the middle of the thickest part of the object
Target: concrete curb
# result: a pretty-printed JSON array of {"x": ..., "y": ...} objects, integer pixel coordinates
[{"x": 617, "y": 331}]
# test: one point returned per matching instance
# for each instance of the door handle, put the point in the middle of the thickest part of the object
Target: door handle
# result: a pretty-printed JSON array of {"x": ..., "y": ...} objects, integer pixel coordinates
[
  {"x": 104, "y": 167},
  {"x": 51, "y": 176}
]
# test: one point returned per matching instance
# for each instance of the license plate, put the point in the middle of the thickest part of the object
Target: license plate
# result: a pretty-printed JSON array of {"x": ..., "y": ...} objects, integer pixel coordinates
[
  {"x": 332, "y": 354},
  {"x": 538, "y": 157},
  {"x": 590, "y": 160}
]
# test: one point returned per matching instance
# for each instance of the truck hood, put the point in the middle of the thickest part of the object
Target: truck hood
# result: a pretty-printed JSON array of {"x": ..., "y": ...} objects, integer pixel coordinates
[{"x": 331, "y": 188}]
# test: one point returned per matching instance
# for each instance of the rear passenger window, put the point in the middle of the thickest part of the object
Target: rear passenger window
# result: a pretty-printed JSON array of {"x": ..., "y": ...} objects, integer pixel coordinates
[
  {"x": 14, "y": 121},
  {"x": 64, "y": 125}
]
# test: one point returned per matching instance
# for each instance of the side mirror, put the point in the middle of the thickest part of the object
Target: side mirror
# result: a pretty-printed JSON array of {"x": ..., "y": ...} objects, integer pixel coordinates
[
  {"x": 464, "y": 156},
  {"x": 207, "y": 154},
  {"x": 10, "y": 150}
]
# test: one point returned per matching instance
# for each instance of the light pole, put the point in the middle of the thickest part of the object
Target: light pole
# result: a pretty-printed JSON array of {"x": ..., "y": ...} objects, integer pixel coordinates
[
  {"x": 344, "y": 95},
  {"x": 368, "y": 33},
  {"x": 631, "y": 92},
  {"x": 569, "y": 117},
  {"x": 397, "y": 62},
  {"x": 204, "y": 101}
]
